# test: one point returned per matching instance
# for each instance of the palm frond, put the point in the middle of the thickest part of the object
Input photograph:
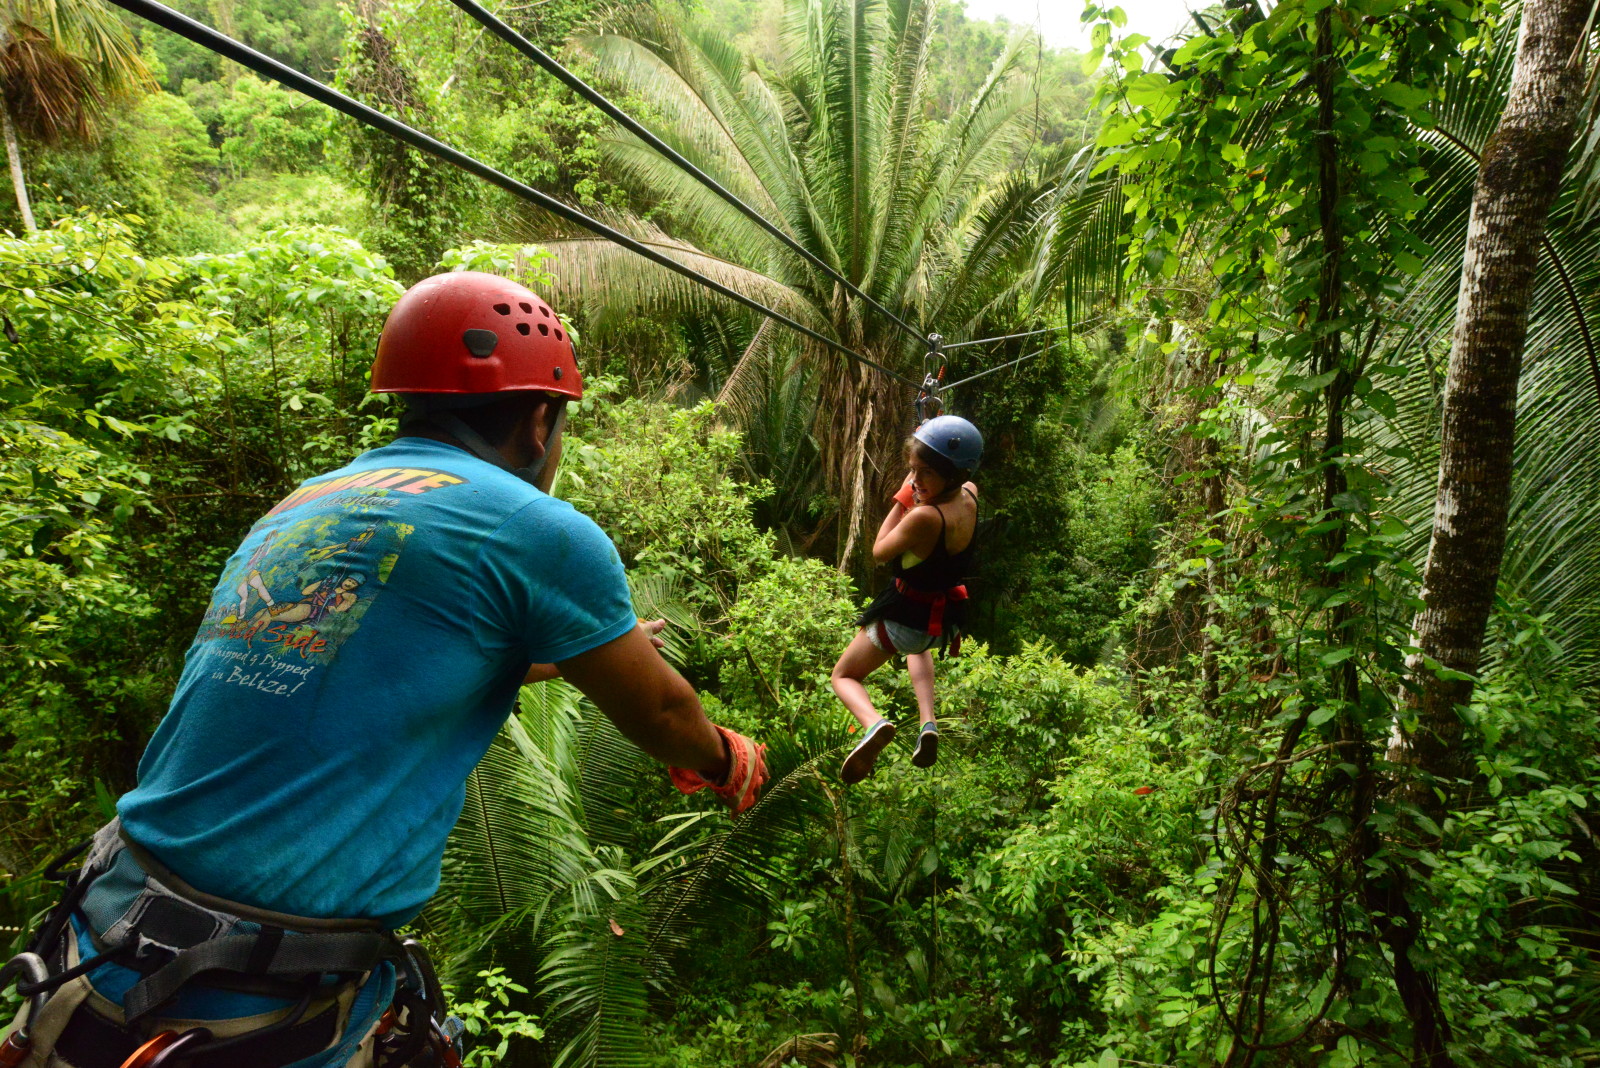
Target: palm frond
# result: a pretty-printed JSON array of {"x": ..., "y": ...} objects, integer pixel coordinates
[
  {"x": 661, "y": 595},
  {"x": 61, "y": 63},
  {"x": 594, "y": 975},
  {"x": 609, "y": 282}
]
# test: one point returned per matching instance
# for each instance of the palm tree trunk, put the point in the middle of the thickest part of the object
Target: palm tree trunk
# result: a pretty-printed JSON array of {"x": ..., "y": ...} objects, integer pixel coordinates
[
  {"x": 14, "y": 157},
  {"x": 1518, "y": 180}
]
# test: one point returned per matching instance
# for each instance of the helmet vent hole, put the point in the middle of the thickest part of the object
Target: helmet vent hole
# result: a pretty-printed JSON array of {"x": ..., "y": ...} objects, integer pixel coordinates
[
  {"x": 544, "y": 328},
  {"x": 525, "y": 306},
  {"x": 545, "y": 310},
  {"x": 503, "y": 309},
  {"x": 559, "y": 336},
  {"x": 522, "y": 328}
]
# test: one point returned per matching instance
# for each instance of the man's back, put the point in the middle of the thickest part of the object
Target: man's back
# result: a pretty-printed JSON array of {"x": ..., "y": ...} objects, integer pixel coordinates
[{"x": 360, "y": 651}]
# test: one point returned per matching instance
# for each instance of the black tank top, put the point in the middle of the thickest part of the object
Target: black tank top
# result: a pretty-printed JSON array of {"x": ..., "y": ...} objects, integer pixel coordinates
[
  {"x": 943, "y": 569},
  {"x": 928, "y": 581}
]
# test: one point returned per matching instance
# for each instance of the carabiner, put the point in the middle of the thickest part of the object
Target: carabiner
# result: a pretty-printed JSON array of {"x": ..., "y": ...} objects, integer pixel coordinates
[
  {"x": 167, "y": 1048},
  {"x": 29, "y": 966},
  {"x": 929, "y": 404}
]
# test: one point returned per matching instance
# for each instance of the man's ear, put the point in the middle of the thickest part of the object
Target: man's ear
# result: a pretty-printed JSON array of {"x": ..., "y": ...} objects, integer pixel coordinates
[{"x": 534, "y": 428}]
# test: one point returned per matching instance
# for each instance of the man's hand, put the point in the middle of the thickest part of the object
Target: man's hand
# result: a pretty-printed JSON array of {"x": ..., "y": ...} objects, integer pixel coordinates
[
  {"x": 653, "y": 627},
  {"x": 740, "y": 786}
]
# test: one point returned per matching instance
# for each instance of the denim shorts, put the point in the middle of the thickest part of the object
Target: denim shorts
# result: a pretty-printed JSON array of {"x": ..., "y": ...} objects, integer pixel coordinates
[{"x": 891, "y": 637}]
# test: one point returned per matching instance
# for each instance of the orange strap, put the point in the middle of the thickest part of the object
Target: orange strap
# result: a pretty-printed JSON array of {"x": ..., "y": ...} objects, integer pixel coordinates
[{"x": 747, "y": 773}]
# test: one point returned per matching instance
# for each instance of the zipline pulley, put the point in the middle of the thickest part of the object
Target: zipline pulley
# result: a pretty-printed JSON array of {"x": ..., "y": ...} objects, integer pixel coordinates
[{"x": 929, "y": 402}]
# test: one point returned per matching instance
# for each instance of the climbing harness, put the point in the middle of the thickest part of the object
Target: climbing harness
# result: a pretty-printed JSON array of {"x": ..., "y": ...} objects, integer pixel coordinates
[
  {"x": 139, "y": 916},
  {"x": 25, "y": 968},
  {"x": 929, "y": 596}
]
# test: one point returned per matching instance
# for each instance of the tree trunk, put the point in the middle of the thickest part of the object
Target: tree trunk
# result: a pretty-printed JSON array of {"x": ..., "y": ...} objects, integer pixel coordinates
[
  {"x": 14, "y": 157},
  {"x": 1518, "y": 180}
]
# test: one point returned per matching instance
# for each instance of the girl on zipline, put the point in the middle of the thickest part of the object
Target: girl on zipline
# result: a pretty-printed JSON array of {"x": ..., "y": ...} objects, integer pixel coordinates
[{"x": 927, "y": 539}]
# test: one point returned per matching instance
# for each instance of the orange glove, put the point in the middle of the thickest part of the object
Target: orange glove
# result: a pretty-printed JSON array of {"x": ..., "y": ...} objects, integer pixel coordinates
[
  {"x": 906, "y": 497},
  {"x": 747, "y": 773}
]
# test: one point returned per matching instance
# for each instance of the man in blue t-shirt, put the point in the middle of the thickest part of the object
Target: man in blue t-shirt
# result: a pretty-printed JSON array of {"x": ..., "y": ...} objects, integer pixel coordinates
[{"x": 360, "y": 652}]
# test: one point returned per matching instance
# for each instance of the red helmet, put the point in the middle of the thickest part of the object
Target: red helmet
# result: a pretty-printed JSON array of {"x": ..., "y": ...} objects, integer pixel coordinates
[{"x": 469, "y": 332}]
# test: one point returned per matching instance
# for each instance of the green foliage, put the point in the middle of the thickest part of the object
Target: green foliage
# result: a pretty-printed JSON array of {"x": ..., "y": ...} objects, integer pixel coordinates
[
  {"x": 667, "y": 498},
  {"x": 151, "y": 407},
  {"x": 840, "y": 139},
  {"x": 152, "y": 160},
  {"x": 1163, "y": 819},
  {"x": 262, "y": 126},
  {"x": 783, "y": 637},
  {"x": 107, "y": 353},
  {"x": 418, "y": 200},
  {"x": 490, "y": 1020},
  {"x": 306, "y": 34}
]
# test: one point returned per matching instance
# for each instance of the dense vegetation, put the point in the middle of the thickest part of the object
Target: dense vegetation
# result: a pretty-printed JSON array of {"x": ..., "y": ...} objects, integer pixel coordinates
[{"x": 1179, "y": 818}]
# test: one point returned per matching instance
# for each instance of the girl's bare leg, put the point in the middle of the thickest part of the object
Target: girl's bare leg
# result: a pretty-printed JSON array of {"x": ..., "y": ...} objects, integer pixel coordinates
[
  {"x": 920, "y": 665},
  {"x": 859, "y": 659}
]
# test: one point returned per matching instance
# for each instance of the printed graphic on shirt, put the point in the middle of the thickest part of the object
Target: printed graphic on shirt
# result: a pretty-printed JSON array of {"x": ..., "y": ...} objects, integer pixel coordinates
[
  {"x": 282, "y": 611},
  {"x": 389, "y": 479}
]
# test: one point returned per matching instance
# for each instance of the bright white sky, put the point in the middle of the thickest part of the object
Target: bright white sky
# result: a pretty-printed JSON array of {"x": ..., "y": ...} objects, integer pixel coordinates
[{"x": 1058, "y": 19}]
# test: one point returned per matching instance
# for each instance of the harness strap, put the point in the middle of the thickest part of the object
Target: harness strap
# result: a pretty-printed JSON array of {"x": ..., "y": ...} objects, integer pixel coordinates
[
  {"x": 934, "y": 599},
  {"x": 355, "y": 951},
  {"x": 885, "y": 642},
  {"x": 95, "y": 1041}
]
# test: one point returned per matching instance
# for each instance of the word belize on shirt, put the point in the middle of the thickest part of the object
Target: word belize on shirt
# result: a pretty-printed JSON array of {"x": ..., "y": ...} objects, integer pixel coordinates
[{"x": 281, "y": 678}]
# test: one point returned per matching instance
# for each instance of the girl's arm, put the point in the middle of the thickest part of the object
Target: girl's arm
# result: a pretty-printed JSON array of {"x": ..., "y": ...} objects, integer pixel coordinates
[
  {"x": 899, "y": 505},
  {"x": 903, "y": 531}
]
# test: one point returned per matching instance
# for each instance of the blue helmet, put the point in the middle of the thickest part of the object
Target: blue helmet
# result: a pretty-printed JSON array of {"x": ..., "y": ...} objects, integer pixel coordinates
[{"x": 953, "y": 438}]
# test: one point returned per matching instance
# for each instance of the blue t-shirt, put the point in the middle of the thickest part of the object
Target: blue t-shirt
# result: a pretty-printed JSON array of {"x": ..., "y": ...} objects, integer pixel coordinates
[{"x": 360, "y": 652}]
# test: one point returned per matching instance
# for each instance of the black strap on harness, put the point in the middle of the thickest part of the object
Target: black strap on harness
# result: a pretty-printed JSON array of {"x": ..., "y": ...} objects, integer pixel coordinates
[{"x": 264, "y": 954}]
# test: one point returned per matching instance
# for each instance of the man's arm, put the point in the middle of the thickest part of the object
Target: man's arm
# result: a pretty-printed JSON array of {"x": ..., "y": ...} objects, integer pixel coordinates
[
  {"x": 546, "y": 672},
  {"x": 650, "y": 703}
]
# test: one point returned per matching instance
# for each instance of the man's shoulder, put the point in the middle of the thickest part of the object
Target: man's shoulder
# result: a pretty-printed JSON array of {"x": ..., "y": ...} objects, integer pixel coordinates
[{"x": 541, "y": 521}]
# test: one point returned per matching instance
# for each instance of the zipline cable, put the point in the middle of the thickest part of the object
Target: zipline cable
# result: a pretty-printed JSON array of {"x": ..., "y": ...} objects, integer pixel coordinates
[
  {"x": 992, "y": 370},
  {"x": 208, "y": 38},
  {"x": 553, "y": 67},
  {"x": 1008, "y": 337}
]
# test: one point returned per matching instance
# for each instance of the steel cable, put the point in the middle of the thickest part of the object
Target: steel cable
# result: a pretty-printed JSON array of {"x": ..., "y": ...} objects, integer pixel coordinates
[
  {"x": 992, "y": 370},
  {"x": 1007, "y": 337},
  {"x": 554, "y": 67},
  {"x": 287, "y": 76}
]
